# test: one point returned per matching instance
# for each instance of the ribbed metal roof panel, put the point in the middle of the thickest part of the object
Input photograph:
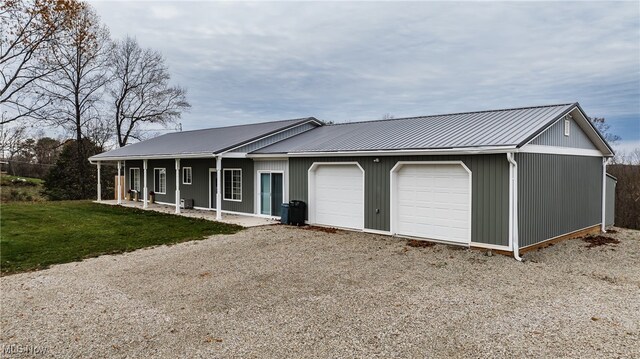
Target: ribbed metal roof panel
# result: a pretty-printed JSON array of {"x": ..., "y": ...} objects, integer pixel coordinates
[
  {"x": 207, "y": 141},
  {"x": 507, "y": 127}
]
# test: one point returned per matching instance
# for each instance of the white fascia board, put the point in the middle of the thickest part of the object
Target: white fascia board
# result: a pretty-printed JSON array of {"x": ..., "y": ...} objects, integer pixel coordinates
[
  {"x": 448, "y": 151},
  {"x": 557, "y": 150},
  {"x": 152, "y": 157}
]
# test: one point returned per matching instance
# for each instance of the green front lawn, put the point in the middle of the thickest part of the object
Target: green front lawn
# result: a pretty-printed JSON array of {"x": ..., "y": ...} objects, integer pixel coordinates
[{"x": 36, "y": 235}]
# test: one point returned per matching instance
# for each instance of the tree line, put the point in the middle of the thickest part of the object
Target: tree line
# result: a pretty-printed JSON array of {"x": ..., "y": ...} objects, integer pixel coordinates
[{"x": 60, "y": 70}]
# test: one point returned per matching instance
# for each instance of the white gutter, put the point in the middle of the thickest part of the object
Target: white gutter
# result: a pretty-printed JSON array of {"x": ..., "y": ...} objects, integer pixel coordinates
[
  {"x": 513, "y": 206},
  {"x": 604, "y": 195},
  {"x": 436, "y": 151}
]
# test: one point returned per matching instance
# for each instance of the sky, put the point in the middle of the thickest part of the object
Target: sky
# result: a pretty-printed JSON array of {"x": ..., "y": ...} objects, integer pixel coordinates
[{"x": 354, "y": 61}]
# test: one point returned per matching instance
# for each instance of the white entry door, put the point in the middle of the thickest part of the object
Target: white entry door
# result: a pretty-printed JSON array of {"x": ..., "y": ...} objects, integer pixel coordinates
[
  {"x": 432, "y": 201},
  {"x": 337, "y": 195}
]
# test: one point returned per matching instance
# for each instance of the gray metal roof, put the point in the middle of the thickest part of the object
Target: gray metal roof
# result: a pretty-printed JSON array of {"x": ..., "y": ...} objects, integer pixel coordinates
[
  {"x": 508, "y": 127},
  {"x": 206, "y": 142}
]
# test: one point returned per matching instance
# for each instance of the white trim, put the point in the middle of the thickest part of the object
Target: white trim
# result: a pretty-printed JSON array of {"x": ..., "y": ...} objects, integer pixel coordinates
[
  {"x": 604, "y": 195},
  {"x": 234, "y": 212},
  {"x": 99, "y": 189},
  {"x": 224, "y": 181},
  {"x": 191, "y": 175},
  {"x": 311, "y": 182},
  {"x": 154, "y": 180},
  {"x": 209, "y": 190},
  {"x": 133, "y": 177},
  {"x": 437, "y": 151},
  {"x": 166, "y": 203},
  {"x": 119, "y": 191},
  {"x": 392, "y": 205},
  {"x": 154, "y": 157},
  {"x": 258, "y": 190},
  {"x": 558, "y": 236},
  {"x": 145, "y": 195},
  {"x": 178, "y": 198},
  {"x": 219, "y": 188},
  {"x": 272, "y": 134},
  {"x": 556, "y": 150}
]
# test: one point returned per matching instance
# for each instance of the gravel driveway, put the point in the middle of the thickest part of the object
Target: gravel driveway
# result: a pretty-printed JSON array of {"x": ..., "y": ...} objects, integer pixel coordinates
[{"x": 285, "y": 292}]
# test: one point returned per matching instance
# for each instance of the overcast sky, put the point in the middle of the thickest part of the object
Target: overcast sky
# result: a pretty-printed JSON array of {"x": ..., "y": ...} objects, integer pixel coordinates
[{"x": 252, "y": 62}]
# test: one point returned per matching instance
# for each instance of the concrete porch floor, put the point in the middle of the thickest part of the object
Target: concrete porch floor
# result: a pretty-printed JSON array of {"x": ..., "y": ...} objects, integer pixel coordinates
[{"x": 244, "y": 221}]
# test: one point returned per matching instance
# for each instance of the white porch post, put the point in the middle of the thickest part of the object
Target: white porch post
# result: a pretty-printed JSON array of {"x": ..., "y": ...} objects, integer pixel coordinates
[
  {"x": 603, "y": 225},
  {"x": 99, "y": 187},
  {"x": 177, "y": 185},
  {"x": 219, "y": 187},
  {"x": 119, "y": 184},
  {"x": 145, "y": 194}
]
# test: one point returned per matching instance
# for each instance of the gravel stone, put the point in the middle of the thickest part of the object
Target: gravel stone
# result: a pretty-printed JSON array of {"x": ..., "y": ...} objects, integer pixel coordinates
[{"x": 280, "y": 291}]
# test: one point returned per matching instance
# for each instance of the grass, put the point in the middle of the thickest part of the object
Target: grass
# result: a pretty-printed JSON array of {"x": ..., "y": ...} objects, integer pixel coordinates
[
  {"x": 36, "y": 235},
  {"x": 20, "y": 189}
]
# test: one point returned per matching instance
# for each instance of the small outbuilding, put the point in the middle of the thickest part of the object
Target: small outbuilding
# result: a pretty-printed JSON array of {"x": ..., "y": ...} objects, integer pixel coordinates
[{"x": 508, "y": 180}]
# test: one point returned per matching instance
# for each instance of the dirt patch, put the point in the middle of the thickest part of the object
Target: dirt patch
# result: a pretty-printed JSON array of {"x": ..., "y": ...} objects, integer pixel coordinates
[
  {"x": 596, "y": 241},
  {"x": 321, "y": 229},
  {"x": 419, "y": 244}
]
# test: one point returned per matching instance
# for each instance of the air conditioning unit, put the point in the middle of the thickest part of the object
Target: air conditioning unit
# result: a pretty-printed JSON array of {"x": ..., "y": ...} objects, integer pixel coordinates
[{"x": 186, "y": 203}]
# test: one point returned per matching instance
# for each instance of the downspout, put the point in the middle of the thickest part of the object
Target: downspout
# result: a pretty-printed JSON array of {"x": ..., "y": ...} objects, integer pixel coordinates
[
  {"x": 513, "y": 206},
  {"x": 604, "y": 196}
]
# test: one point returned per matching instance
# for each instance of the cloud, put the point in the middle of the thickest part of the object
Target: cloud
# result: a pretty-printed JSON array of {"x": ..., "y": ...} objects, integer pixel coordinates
[{"x": 248, "y": 62}]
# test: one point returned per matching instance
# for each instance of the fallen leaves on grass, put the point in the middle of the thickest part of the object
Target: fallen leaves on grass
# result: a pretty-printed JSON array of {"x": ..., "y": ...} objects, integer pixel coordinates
[{"x": 596, "y": 241}]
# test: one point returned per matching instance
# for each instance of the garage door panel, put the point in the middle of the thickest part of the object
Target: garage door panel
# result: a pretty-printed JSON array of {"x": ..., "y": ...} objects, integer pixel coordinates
[
  {"x": 433, "y": 201},
  {"x": 339, "y": 196}
]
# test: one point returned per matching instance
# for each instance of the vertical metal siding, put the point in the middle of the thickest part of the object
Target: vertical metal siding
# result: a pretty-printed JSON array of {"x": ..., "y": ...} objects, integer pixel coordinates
[
  {"x": 490, "y": 178},
  {"x": 554, "y": 136},
  {"x": 198, "y": 190},
  {"x": 610, "y": 202},
  {"x": 557, "y": 194},
  {"x": 276, "y": 138}
]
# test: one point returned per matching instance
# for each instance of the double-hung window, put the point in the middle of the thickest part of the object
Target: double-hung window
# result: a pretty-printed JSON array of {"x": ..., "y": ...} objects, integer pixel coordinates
[
  {"x": 187, "y": 175},
  {"x": 160, "y": 180},
  {"x": 232, "y": 185}
]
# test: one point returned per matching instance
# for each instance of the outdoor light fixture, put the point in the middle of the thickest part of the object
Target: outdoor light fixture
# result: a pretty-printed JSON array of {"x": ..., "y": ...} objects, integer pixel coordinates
[{"x": 376, "y": 160}]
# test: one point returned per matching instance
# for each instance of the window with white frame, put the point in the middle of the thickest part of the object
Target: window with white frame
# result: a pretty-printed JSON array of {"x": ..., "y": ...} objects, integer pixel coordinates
[
  {"x": 187, "y": 175},
  {"x": 232, "y": 184},
  {"x": 160, "y": 180},
  {"x": 567, "y": 127},
  {"x": 134, "y": 179}
]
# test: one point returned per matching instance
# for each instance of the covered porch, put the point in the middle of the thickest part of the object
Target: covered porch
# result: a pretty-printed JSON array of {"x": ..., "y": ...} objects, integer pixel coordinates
[{"x": 241, "y": 220}]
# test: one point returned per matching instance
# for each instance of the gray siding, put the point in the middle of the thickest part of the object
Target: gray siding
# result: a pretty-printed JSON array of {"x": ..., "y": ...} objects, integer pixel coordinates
[
  {"x": 199, "y": 189},
  {"x": 490, "y": 197},
  {"x": 557, "y": 195},
  {"x": 610, "y": 202},
  {"x": 276, "y": 138},
  {"x": 554, "y": 136}
]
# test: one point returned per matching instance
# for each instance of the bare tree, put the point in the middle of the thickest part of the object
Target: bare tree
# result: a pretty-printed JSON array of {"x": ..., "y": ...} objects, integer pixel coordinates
[
  {"x": 76, "y": 87},
  {"x": 141, "y": 92},
  {"x": 605, "y": 129},
  {"x": 27, "y": 30}
]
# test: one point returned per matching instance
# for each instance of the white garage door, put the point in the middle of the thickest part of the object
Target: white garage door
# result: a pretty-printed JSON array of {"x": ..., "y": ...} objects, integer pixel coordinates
[
  {"x": 433, "y": 201},
  {"x": 338, "y": 196}
]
